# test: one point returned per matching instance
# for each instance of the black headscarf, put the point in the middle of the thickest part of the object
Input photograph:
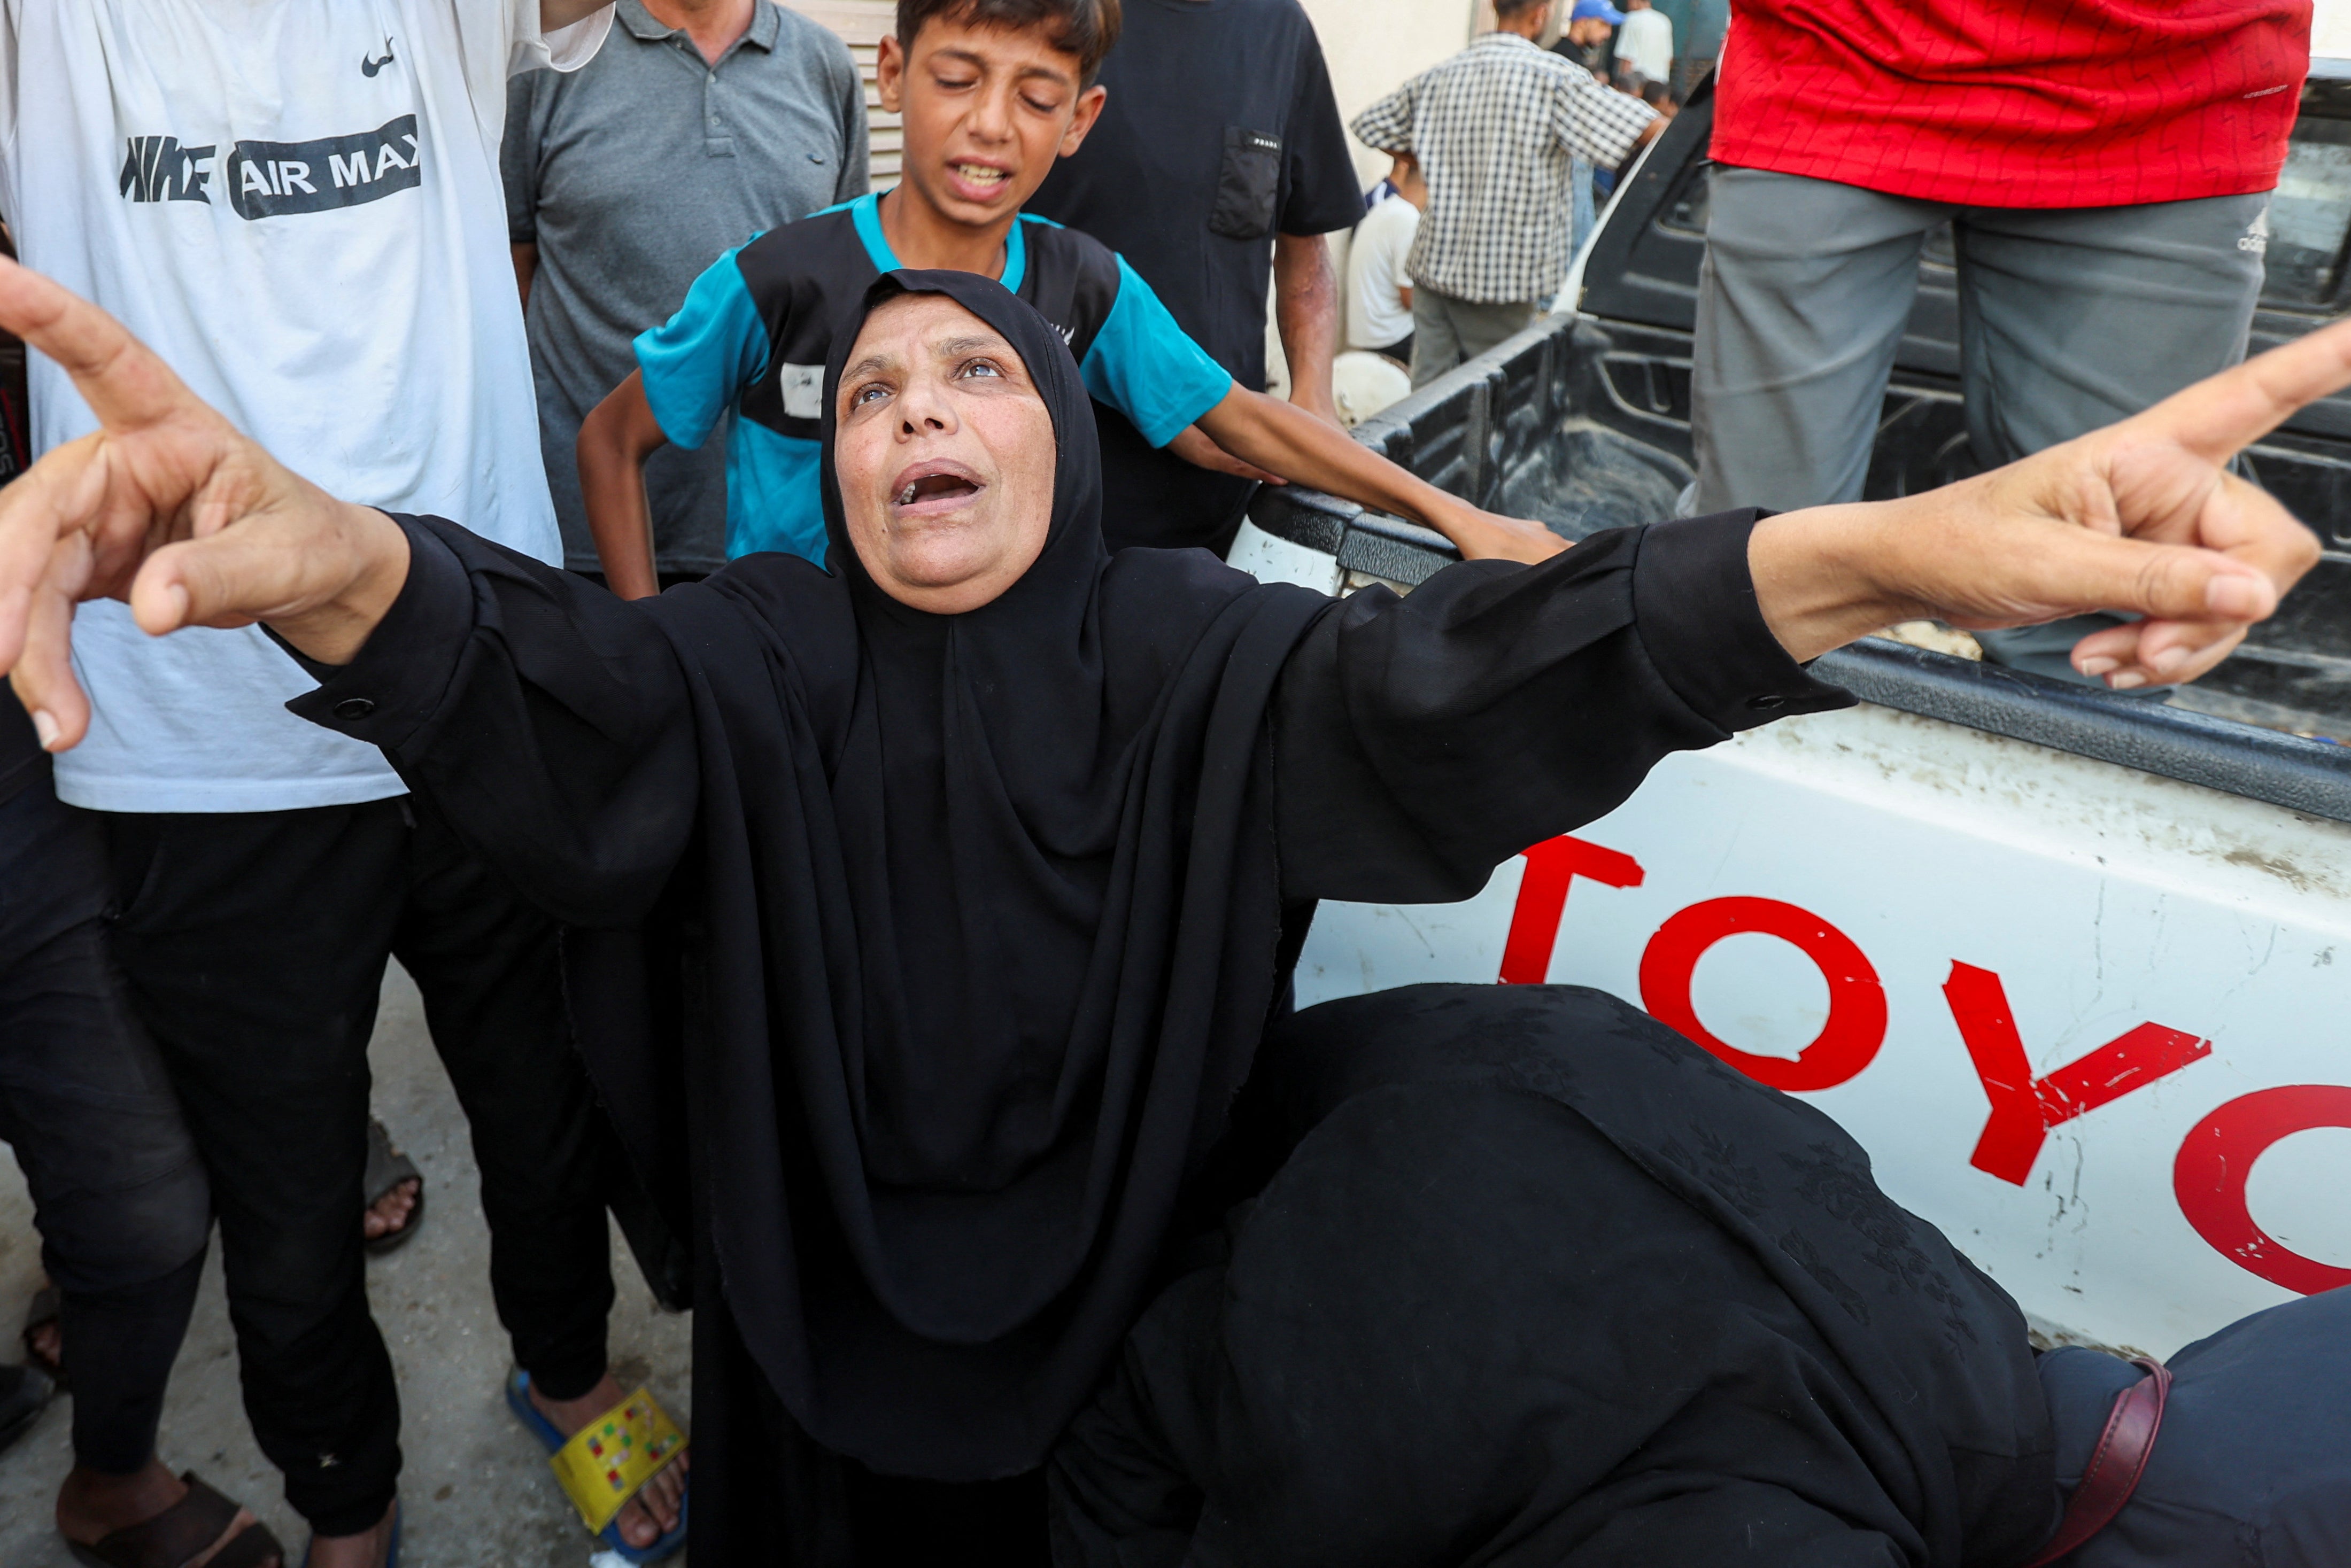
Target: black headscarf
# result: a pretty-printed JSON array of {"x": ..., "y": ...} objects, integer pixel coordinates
[{"x": 984, "y": 930}]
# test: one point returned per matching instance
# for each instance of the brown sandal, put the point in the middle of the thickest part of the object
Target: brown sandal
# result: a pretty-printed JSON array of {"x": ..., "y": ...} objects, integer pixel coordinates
[{"x": 184, "y": 1531}]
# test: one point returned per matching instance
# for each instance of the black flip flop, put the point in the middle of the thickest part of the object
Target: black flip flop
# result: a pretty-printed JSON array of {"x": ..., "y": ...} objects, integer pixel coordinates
[
  {"x": 387, "y": 1168},
  {"x": 25, "y": 1393},
  {"x": 183, "y": 1530}
]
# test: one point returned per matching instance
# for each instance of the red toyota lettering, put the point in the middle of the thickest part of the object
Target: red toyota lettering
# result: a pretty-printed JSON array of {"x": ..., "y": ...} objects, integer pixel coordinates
[
  {"x": 1543, "y": 899},
  {"x": 1856, "y": 1021},
  {"x": 2208, "y": 1178},
  {"x": 2023, "y": 1107}
]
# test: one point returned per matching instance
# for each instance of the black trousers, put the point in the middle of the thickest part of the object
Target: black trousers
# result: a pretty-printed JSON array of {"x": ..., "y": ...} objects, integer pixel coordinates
[
  {"x": 117, "y": 1192},
  {"x": 254, "y": 946}
]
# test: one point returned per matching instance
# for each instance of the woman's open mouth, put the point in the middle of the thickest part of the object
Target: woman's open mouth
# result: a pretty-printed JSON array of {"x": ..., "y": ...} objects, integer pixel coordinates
[{"x": 935, "y": 487}]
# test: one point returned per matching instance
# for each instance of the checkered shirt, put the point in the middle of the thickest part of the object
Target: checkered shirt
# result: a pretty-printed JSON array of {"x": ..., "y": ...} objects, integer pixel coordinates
[{"x": 1494, "y": 128}]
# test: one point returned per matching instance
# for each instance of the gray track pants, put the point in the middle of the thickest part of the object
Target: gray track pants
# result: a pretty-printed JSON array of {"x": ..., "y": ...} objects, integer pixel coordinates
[
  {"x": 1447, "y": 331},
  {"x": 2069, "y": 319}
]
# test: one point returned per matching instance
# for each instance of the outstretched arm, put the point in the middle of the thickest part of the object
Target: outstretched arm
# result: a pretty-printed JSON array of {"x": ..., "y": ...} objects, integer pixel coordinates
[
  {"x": 1147, "y": 367},
  {"x": 1423, "y": 741},
  {"x": 168, "y": 507},
  {"x": 1284, "y": 439},
  {"x": 2141, "y": 516},
  {"x": 544, "y": 718}
]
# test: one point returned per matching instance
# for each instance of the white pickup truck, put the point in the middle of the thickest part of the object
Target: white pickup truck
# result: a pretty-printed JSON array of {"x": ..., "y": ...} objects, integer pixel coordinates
[{"x": 2074, "y": 967}]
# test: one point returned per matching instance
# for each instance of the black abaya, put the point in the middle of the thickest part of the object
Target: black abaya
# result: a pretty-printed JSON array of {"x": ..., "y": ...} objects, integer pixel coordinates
[
  {"x": 974, "y": 922},
  {"x": 1538, "y": 1284}
]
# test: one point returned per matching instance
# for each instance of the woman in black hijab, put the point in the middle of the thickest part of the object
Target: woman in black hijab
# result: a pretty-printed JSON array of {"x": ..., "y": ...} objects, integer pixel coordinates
[
  {"x": 933, "y": 908},
  {"x": 977, "y": 918}
]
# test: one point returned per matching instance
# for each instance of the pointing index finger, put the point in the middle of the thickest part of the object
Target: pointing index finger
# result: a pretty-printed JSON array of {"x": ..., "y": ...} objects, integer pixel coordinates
[
  {"x": 2221, "y": 414},
  {"x": 126, "y": 386}
]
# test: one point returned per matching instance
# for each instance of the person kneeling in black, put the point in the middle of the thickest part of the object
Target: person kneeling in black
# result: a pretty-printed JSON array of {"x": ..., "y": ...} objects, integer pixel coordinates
[
  {"x": 975, "y": 865},
  {"x": 1609, "y": 1303}
]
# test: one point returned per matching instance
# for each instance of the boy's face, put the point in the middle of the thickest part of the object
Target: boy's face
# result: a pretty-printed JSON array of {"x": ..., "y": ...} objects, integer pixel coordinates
[{"x": 986, "y": 111}]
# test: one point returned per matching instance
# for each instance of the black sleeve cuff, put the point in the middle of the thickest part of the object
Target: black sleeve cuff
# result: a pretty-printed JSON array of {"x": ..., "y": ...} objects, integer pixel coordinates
[
  {"x": 397, "y": 682},
  {"x": 1694, "y": 605}
]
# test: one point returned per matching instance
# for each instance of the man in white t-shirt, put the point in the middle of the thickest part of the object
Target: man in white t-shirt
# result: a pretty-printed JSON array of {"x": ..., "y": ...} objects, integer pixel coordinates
[
  {"x": 1646, "y": 41},
  {"x": 299, "y": 204},
  {"x": 1379, "y": 290}
]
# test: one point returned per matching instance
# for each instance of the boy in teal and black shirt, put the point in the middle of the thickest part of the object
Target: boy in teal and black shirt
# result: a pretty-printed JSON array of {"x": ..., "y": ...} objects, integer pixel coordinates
[
  {"x": 991, "y": 92},
  {"x": 756, "y": 328}
]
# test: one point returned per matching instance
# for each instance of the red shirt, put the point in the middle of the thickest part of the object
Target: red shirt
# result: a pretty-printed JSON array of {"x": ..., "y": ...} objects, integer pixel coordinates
[{"x": 2016, "y": 103}]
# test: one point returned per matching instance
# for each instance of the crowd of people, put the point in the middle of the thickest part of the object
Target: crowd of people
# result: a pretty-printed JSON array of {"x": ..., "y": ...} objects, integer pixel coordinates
[
  {"x": 1494, "y": 148},
  {"x": 755, "y": 650}
]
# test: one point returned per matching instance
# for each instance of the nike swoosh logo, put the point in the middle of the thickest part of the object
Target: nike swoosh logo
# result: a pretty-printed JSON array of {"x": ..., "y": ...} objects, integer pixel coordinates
[{"x": 369, "y": 67}]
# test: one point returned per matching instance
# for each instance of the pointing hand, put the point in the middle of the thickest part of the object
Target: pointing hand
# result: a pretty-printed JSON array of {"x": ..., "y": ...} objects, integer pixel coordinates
[
  {"x": 169, "y": 507},
  {"x": 2141, "y": 516}
]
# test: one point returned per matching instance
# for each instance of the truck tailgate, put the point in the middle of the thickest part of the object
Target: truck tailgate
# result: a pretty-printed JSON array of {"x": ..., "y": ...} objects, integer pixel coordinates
[{"x": 2087, "y": 1020}]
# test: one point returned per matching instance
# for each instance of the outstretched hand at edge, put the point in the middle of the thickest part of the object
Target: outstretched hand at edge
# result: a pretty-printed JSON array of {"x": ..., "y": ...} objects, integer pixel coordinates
[
  {"x": 2142, "y": 516},
  {"x": 169, "y": 507}
]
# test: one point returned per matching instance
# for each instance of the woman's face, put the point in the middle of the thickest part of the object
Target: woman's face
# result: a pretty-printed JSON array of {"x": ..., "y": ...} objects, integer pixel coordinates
[{"x": 945, "y": 455}]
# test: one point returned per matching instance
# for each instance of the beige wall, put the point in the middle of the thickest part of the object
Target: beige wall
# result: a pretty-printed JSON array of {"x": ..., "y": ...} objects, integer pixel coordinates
[{"x": 1372, "y": 46}]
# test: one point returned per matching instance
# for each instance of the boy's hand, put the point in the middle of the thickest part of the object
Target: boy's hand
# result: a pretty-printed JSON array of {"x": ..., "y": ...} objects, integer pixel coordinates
[
  {"x": 1279, "y": 436},
  {"x": 167, "y": 506},
  {"x": 1490, "y": 537}
]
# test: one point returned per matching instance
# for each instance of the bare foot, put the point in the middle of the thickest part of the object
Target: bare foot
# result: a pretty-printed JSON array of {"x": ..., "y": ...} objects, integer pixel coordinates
[
  {"x": 93, "y": 1505},
  {"x": 391, "y": 1212},
  {"x": 368, "y": 1548},
  {"x": 652, "y": 1512}
]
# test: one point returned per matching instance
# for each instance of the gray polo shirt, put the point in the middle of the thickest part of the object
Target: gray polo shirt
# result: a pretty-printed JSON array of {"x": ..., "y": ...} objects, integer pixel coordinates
[{"x": 631, "y": 175}]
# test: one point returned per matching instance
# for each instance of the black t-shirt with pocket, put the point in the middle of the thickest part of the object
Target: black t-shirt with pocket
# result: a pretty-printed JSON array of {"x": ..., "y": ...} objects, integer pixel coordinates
[{"x": 1219, "y": 132}]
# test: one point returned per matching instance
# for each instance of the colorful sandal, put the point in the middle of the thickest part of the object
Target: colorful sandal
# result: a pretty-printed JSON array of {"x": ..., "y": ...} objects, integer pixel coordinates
[{"x": 607, "y": 1462}]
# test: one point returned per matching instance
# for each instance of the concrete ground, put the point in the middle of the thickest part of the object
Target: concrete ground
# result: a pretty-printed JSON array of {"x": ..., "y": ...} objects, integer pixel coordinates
[{"x": 476, "y": 1490}]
